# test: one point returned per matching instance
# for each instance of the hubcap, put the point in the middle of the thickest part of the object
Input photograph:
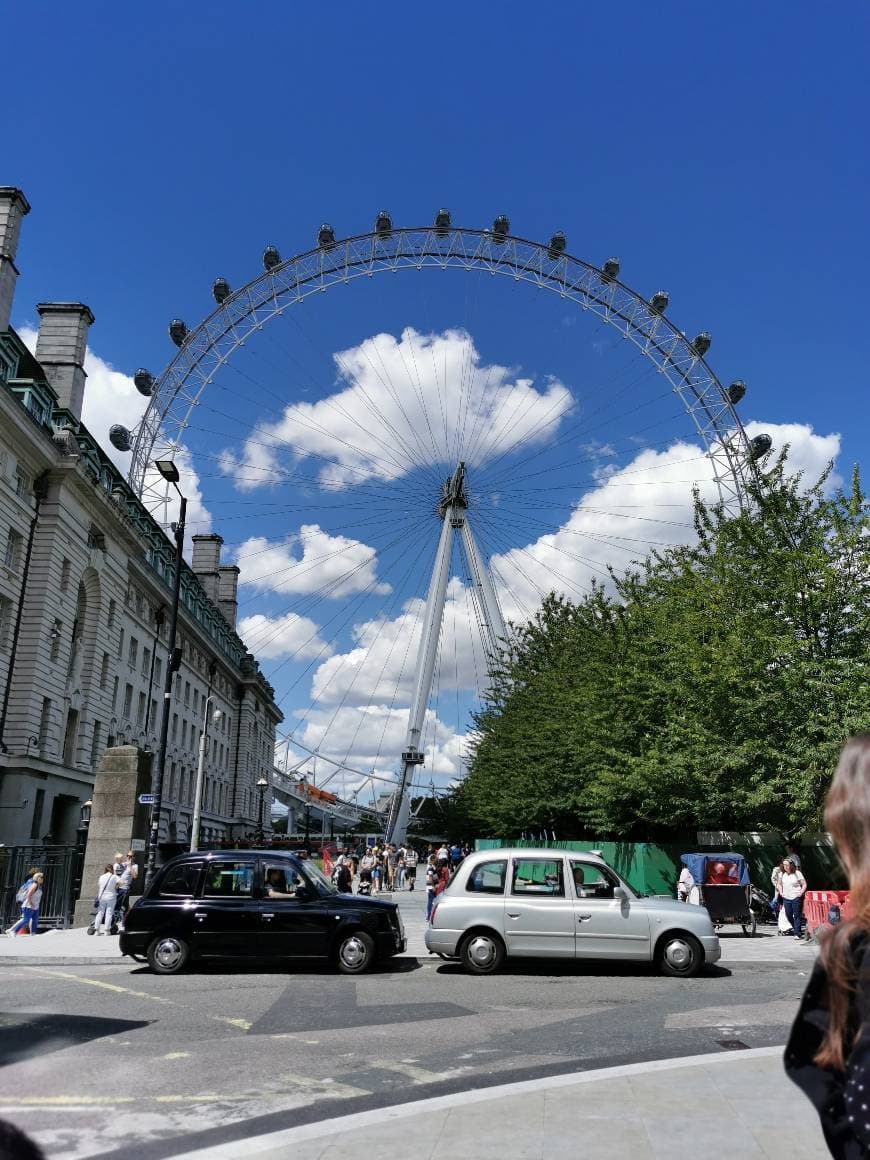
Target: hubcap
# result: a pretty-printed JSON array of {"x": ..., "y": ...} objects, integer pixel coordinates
[
  {"x": 481, "y": 951},
  {"x": 353, "y": 952},
  {"x": 168, "y": 953},
  {"x": 678, "y": 954}
]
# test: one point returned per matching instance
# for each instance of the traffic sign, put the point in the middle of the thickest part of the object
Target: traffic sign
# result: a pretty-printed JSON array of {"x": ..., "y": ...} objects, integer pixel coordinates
[{"x": 146, "y": 799}]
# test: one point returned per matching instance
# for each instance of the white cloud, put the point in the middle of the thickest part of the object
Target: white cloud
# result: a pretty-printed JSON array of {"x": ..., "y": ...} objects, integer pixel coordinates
[
  {"x": 111, "y": 397},
  {"x": 270, "y": 637},
  {"x": 343, "y": 564},
  {"x": 418, "y": 399}
]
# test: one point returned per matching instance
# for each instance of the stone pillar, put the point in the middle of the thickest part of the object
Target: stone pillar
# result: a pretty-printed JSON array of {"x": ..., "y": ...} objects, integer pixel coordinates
[
  {"x": 60, "y": 350},
  {"x": 118, "y": 821},
  {"x": 13, "y": 207},
  {"x": 228, "y": 583}
]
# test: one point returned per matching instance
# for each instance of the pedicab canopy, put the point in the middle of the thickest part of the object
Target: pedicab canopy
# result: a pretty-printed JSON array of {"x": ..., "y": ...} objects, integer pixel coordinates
[{"x": 717, "y": 869}]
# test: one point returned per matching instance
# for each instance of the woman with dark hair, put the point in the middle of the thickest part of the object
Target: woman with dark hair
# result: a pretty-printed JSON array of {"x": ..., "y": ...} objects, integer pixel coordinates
[{"x": 828, "y": 1052}]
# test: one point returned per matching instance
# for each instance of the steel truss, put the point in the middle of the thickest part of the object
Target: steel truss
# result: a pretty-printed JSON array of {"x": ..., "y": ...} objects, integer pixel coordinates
[{"x": 211, "y": 344}]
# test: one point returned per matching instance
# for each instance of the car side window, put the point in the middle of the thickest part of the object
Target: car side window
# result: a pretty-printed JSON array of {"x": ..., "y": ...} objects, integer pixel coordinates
[
  {"x": 180, "y": 881},
  {"x": 280, "y": 880},
  {"x": 487, "y": 878},
  {"x": 541, "y": 876},
  {"x": 591, "y": 881},
  {"x": 228, "y": 880}
]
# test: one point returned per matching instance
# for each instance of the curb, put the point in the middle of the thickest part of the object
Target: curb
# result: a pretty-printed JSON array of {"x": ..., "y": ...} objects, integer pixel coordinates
[
  {"x": 52, "y": 961},
  {"x": 287, "y": 1137}
]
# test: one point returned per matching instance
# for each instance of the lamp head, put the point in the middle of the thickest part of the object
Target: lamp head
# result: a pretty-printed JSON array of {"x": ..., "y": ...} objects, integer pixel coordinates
[{"x": 167, "y": 469}]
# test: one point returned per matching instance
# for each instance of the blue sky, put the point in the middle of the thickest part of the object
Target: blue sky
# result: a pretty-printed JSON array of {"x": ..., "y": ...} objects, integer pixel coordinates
[{"x": 720, "y": 151}]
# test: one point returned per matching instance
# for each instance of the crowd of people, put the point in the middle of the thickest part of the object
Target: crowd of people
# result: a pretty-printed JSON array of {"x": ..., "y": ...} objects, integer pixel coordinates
[{"x": 388, "y": 867}]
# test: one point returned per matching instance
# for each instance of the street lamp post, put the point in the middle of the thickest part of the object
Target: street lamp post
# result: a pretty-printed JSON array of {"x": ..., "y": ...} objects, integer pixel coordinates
[
  {"x": 169, "y": 471},
  {"x": 261, "y": 786},
  {"x": 200, "y": 767}
]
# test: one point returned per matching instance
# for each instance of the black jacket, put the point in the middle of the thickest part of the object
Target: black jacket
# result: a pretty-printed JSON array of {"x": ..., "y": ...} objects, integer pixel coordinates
[{"x": 842, "y": 1100}]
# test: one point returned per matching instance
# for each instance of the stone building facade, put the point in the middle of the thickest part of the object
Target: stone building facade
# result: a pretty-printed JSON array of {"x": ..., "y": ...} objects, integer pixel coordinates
[{"x": 85, "y": 597}]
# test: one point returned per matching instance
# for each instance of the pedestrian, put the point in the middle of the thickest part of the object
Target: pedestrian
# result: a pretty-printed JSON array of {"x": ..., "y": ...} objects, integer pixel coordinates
[
  {"x": 431, "y": 883},
  {"x": 344, "y": 878},
  {"x": 107, "y": 896},
  {"x": 792, "y": 888},
  {"x": 400, "y": 869},
  {"x": 685, "y": 883},
  {"x": 828, "y": 1051},
  {"x": 128, "y": 875},
  {"x": 30, "y": 903},
  {"x": 455, "y": 855},
  {"x": 411, "y": 860},
  {"x": 791, "y": 852},
  {"x": 443, "y": 854},
  {"x": 775, "y": 880},
  {"x": 392, "y": 865},
  {"x": 377, "y": 872}
]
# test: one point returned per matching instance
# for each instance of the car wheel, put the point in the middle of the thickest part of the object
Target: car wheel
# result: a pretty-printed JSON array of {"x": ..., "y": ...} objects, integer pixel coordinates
[
  {"x": 168, "y": 954},
  {"x": 482, "y": 953},
  {"x": 749, "y": 927},
  {"x": 679, "y": 955},
  {"x": 356, "y": 953}
]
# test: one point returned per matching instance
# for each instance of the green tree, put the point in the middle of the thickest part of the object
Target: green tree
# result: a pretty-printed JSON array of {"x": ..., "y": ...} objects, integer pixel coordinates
[{"x": 711, "y": 688}]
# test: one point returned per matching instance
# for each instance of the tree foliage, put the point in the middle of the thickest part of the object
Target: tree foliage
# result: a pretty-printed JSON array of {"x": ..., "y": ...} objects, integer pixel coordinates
[{"x": 710, "y": 688}]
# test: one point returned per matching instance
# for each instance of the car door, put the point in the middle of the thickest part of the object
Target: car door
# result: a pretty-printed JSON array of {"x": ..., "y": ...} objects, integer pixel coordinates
[
  {"x": 295, "y": 919},
  {"x": 226, "y": 919},
  {"x": 606, "y": 927},
  {"x": 538, "y": 914}
]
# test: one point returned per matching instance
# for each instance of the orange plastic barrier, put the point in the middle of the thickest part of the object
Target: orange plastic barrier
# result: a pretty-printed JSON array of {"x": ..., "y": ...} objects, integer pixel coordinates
[{"x": 817, "y": 902}]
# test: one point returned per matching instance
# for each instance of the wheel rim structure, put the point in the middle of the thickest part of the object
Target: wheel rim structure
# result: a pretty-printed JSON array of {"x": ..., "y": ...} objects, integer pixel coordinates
[
  {"x": 353, "y": 952},
  {"x": 210, "y": 345},
  {"x": 168, "y": 953},
  {"x": 678, "y": 954},
  {"x": 481, "y": 950}
]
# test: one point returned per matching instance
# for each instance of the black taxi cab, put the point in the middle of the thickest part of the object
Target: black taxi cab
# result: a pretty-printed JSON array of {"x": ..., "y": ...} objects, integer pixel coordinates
[{"x": 256, "y": 904}]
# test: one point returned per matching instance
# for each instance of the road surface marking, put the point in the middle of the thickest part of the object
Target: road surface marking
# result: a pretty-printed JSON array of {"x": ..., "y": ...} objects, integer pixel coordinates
[
  {"x": 98, "y": 983},
  {"x": 177, "y": 1055}
]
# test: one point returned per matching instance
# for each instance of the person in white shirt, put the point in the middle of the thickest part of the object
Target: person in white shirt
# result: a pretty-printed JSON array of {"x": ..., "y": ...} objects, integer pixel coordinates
[
  {"x": 684, "y": 884},
  {"x": 792, "y": 887},
  {"x": 107, "y": 898}
]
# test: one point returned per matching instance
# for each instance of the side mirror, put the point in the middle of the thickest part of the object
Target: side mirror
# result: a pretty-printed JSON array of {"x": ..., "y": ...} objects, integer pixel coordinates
[{"x": 619, "y": 892}]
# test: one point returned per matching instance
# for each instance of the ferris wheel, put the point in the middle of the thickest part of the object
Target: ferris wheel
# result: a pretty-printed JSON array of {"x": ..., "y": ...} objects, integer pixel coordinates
[{"x": 426, "y": 450}]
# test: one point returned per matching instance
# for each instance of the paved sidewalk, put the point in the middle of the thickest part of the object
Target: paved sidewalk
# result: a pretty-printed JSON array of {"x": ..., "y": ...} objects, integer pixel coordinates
[
  {"x": 76, "y": 947},
  {"x": 740, "y": 1103}
]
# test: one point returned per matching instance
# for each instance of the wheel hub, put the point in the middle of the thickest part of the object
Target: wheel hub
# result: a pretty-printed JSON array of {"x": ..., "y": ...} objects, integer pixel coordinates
[
  {"x": 481, "y": 950},
  {"x": 353, "y": 952},
  {"x": 168, "y": 952},
  {"x": 678, "y": 954}
]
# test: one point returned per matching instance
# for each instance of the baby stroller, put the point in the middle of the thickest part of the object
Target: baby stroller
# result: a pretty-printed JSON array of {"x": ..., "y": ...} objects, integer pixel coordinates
[{"x": 365, "y": 882}]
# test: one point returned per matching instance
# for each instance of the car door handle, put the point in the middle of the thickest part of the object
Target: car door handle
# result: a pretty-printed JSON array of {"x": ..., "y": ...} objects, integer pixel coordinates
[
  {"x": 513, "y": 914},
  {"x": 583, "y": 917},
  {"x": 267, "y": 916}
]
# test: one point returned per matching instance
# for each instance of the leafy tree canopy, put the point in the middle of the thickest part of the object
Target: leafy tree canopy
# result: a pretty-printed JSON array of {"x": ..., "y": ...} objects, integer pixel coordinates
[{"x": 711, "y": 688}]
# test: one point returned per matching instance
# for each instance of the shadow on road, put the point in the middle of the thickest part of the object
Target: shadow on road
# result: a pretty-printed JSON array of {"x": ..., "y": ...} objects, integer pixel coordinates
[{"x": 23, "y": 1036}]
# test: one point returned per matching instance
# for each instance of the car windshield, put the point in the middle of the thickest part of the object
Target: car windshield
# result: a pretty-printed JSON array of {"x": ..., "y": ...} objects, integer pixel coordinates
[{"x": 319, "y": 878}]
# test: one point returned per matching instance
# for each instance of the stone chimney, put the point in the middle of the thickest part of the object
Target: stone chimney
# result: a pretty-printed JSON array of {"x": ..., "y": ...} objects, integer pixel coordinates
[
  {"x": 13, "y": 207},
  {"x": 60, "y": 349},
  {"x": 227, "y": 600},
  {"x": 206, "y": 562}
]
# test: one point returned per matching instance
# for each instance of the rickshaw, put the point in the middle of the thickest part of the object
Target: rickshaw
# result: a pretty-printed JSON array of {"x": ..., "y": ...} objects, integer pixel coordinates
[{"x": 722, "y": 885}]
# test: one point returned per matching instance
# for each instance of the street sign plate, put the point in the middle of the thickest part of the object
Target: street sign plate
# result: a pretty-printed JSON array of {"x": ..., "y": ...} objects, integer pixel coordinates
[
  {"x": 137, "y": 845},
  {"x": 146, "y": 799}
]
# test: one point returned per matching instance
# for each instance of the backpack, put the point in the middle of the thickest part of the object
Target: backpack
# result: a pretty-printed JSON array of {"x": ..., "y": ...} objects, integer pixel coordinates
[{"x": 22, "y": 890}]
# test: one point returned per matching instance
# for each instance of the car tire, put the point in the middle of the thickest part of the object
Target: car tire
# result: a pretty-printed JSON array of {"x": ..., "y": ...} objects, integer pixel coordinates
[
  {"x": 356, "y": 952},
  {"x": 168, "y": 954},
  {"x": 679, "y": 955},
  {"x": 482, "y": 952}
]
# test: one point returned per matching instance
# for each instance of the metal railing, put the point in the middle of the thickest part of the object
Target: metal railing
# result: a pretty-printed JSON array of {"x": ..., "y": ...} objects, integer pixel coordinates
[{"x": 62, "y": 867}]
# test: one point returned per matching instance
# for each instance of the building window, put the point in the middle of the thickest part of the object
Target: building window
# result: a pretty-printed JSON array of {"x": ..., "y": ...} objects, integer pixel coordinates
[
  {"x": 111, "y": 619},
  {"x": 128, "y": 701},
  {"x": 114, "y": 693},
  {"x": 183, "y": 734},
  {"x": 36, "y": 822},
  {"x": 133, "y": 652},
  {"x": 173, "y": 782},
  {"x": 158, "y": 670},
  {"x": 153, "y": 717},
  {"x": 174, "y": 726},
  {"x": 22, "y": 483},
  {"x": 120, "y": 644},
  {"x": 56, "y": 634},
  {"x": 140, "y": 712},
  {"x": 64, "y": 574},
  {"x": 187, "y": 694},
  {"x": 146, "y": 661},
  {"x": 69, "y": 737},
  {"x": 196, "y": 700},
  {"x": 95, "y": 744},
  {"x": 104, "y": 670},
  {"x": 44, "y": 725},
  {"x": 5, "y": 622},
  {"x": 12, "y": 553}
]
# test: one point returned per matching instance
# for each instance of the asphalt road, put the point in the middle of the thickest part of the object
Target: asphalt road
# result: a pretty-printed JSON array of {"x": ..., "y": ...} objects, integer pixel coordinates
[{"x": 99, "y": 1059}]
